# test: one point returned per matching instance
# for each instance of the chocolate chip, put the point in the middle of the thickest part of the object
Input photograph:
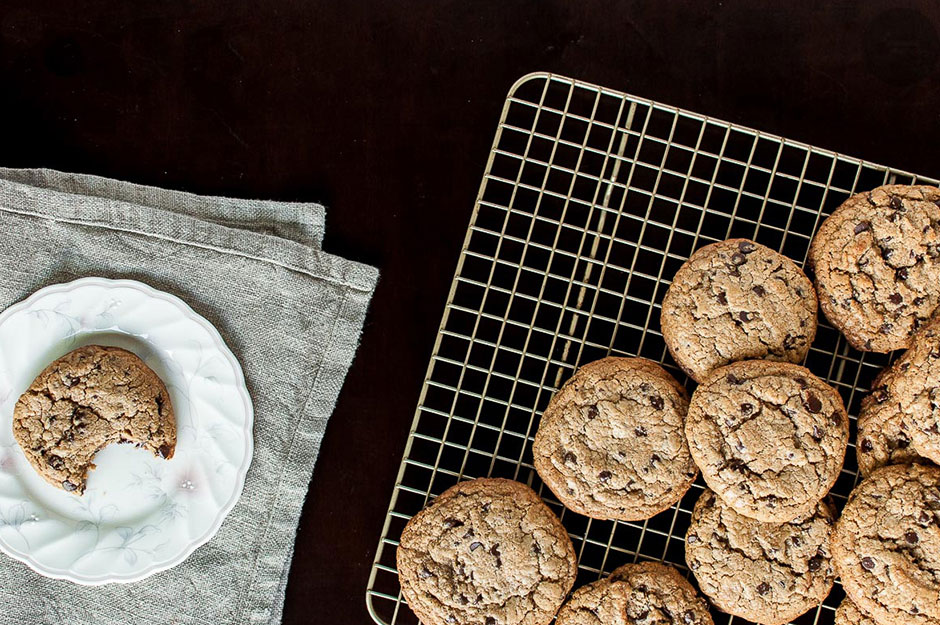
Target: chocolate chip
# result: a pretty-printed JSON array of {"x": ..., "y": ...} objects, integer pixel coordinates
[
  {"x": 867, "y": 447},
  {"x": 747, "y": 408},
  {"x": 796, "y": 541},
  {"x": 165, "y": 451},
  {"x": 722, "y": 298},
  {"x": 759, "y": 290},
  {"x": 604, "y": 476},
  {"x": 814, "y": 564},
  {"x": 424, "y": 573},
  {"x": 763, "y": 588},
  {"x": 449, "y": 523},
  {"x": 895, "y": 298},
  {"x": 924, "y": 518},
  {"x": 494, "y": 550},
  {"x": 463, "y": 599},
  {"x": 886, "y": 328},
  {"x": 570, "y": 457},
  {"x": 592, "y": 412},
  {"x": 911, "y": 537},
  {"x": 862, "y": 227},
  {"x": 475, "y": 545},
  {"x": 656, "y": 402},
  {"x": 812, "y": 403},
  {"x": 868, "y": 564},
  {"x": 738, "y": 259},
  {"x": 746, "y": 247},
  {"x": 733, "y": 379},
  {"x": 486, "y": 508},
  {"x": 56, "y": 462},
  {"x": 817, "y": 434},
  {"x": 802, "y": 383},
  {"x": 67, "y": 485},
  {"x": 919, "y": 301},
  {"x": 895, "y": 203},
  {"x": 490, "y": 620},
  {"x": 654, "y": 459},
  {"x": 744, "y": 316},
  {"x": 901, "y": 274},
  {"x": 640, "y": 431},
  {"x": 886, "y": 253}
]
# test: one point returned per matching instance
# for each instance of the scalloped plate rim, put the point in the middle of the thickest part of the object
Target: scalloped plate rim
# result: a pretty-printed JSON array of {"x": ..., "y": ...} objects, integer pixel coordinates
[{"x": 242, "y": 472}]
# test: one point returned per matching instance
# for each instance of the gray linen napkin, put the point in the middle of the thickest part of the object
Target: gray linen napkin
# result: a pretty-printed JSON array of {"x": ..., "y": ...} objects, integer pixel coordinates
[{"x": 291, "y": 313}]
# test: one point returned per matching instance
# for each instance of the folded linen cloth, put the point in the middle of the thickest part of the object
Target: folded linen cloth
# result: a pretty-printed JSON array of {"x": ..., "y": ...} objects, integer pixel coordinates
[{"x": 291, "y": 314}]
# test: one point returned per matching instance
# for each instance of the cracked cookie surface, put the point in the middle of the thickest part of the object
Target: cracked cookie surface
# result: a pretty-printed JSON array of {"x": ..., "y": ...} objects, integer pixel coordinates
[
  {"x": 849, "y": 614},
  {"x": 769, "y": 437},
  {"x": 907, "y": 396},
  {"x": 900, "y": 419},
  {"x": 886, "y": 545},
  {"x": 611, "y": 443},
  {"x": 877, "y": 265},
  {"x": 657, "y": 594},
  {"x": 486, "y": 551},
  {"x": 737, "y": 300},
  {"x": 88, "y": 399},
  {"x": 768, "y": 573},
  {"x": 599, "y": 603}
]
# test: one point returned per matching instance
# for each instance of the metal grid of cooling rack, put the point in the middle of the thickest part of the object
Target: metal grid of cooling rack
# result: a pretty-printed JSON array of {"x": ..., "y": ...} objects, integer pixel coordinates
[{"x": 590, "y": 202}]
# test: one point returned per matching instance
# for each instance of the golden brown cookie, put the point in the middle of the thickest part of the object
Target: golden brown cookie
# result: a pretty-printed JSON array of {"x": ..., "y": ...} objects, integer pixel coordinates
[
  {"x": 486, "y": 551},
  {"x": 83, "y": 402},
  {"x": 886, "y": 545},
  {"x": 611, "y": 443},
  {"x": 737, "y": 300},
  {"x": 877, "y": 265},
  {"x": 769, "y": 437},
  {"x": 768, "y": 573}
]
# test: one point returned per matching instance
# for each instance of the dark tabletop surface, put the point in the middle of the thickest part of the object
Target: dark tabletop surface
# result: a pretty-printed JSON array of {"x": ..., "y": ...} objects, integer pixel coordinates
[{"x": 384, "y": 111}]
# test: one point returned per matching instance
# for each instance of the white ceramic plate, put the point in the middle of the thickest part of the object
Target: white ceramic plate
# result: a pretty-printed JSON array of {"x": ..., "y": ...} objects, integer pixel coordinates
[{"x": 140, "y": 514}]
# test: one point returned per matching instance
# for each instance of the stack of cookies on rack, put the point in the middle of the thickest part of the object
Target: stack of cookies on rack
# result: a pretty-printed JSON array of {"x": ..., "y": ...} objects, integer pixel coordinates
[{"x": 622, "y": 439}]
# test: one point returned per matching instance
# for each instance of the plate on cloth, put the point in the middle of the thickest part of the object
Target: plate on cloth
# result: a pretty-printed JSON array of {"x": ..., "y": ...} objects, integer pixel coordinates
[{"x": 140, "y": 514}]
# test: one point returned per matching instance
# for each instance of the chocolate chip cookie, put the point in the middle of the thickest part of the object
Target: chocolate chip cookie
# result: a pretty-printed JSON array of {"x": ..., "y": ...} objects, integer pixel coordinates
[
  {"x": 886, "y": 545},
  {"x": 600, "y": 603},
  {"x": 849, "y": 614},
  {"x": 83, "y": 402},
  {"x": 768, "y": 573},
  {"x": 487, "y": 551},
  {"x": 737, "y": 300},
  {"x": 877, "y": 265},
  {"x": 900, "y": 419},
  {"x": 611, "y": 443},
  {"x": 769, "y": 437},
  {"x": 658, "y": 594}
]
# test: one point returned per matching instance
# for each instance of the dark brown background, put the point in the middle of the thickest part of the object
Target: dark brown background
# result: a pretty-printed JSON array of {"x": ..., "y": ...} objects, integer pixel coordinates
[{"x": 384, "y": 111}]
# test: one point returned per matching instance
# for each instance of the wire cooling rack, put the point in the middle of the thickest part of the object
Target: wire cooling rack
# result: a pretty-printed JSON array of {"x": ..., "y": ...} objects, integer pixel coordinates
[{"x": 590, "y": 202}]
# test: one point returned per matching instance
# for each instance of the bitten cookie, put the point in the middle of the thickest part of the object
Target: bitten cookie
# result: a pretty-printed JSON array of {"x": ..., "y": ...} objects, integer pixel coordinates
[
  {"x": 769, "y": 437},
  {"x": 849, "y": 614},
  {"x": 737, "y": 300},
  {"x": 611, "y": 443},
  {"x": 886, "y": 545},
  {"x": 768, "y": 573},
  {"x": 877, "y": 265},
  {"x": 900, "y": 419},
  {"x": 657, "y": 593},
  {"x": 486, "y": 551},
  {"x": 83, "y": 402}
]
